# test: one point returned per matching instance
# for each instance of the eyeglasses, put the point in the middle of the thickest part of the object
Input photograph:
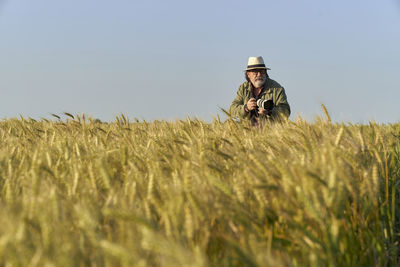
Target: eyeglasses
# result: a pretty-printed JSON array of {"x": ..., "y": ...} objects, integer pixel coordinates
[{"x": 261, "y": 71}]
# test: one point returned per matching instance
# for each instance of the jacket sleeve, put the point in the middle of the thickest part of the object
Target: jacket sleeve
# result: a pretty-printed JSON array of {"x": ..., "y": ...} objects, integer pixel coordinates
[
  {"x": 282, "y": 108},
  {"x": 237, "y": 107}
]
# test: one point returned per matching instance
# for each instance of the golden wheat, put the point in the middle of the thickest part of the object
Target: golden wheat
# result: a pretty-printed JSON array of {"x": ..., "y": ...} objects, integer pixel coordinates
[{"x": 191, "y": 193}]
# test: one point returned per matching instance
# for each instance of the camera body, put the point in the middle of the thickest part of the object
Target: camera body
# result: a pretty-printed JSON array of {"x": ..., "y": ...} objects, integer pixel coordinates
[
  {"x": 265, "y": 104},
  {"x": 268, "y": 105}
]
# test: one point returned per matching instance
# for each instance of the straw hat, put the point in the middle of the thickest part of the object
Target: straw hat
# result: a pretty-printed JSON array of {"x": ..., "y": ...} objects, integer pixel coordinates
[{"x": 256, "y": 63}]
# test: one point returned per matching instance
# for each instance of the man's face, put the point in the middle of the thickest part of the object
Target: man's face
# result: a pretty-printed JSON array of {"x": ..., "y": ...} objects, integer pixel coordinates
[{"x": 258, "y": 77}]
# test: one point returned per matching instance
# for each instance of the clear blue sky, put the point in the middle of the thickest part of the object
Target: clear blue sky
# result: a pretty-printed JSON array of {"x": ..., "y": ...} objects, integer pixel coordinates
[{"x": 172, "y": 59}]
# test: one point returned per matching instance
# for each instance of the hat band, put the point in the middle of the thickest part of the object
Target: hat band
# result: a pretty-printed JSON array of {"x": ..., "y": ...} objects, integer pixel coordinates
[{"x": 256, "y": 66}]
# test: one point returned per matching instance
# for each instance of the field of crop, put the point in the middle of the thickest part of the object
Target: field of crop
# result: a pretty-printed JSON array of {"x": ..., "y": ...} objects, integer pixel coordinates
[{"x": 76, "y": 192}]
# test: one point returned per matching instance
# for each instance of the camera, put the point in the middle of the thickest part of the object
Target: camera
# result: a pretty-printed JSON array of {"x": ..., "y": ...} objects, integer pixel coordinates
[
  {"x": 265, "y": 104},
  {"x": 268, "y": 105}
]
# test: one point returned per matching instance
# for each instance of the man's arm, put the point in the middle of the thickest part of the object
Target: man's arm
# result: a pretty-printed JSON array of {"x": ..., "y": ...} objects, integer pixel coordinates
[
  {"x": 282, "y": 108},
  {"x": 237, "y": 108}
]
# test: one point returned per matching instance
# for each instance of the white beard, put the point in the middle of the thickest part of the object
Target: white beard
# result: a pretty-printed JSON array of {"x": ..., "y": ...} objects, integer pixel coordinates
[{"x": 260, "y": 81}]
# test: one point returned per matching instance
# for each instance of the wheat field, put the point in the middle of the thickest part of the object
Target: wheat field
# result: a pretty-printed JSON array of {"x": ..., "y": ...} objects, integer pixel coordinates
[{"x": 79, "y": 192}]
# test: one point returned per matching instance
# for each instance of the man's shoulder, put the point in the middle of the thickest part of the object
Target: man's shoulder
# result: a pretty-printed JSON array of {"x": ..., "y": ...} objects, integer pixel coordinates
[
  {"x": 273, "y": 84},
  {"x": 244, "y": 86}
]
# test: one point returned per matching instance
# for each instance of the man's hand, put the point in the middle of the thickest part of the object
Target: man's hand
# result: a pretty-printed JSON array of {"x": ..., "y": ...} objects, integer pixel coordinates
[
  {"x": 251, "y": 104},
  {"x": 262, "y": 111}
]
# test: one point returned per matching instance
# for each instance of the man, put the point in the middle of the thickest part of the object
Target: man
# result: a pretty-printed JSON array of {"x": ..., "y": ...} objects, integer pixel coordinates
[{"x": 258, "y": 86}]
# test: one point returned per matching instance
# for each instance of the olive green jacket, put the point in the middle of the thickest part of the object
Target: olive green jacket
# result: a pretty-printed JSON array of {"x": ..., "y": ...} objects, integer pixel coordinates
[{"x": 272, "y": 91}]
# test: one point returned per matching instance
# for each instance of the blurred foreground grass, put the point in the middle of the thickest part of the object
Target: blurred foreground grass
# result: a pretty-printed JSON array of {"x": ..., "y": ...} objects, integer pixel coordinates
[{"x": 190, "y": 193}]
